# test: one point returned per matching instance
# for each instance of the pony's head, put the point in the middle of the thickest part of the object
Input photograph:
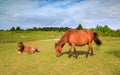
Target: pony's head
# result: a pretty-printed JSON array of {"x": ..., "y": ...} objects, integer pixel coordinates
[
  {"x": 58, "y": 49},
  {"x": 20, "y": 47}
]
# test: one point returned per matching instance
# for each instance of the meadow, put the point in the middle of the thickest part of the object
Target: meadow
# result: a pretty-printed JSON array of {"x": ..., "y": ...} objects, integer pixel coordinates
[
  {"x": 105, "y": 61},
  {"x": 16, "y": 36}
]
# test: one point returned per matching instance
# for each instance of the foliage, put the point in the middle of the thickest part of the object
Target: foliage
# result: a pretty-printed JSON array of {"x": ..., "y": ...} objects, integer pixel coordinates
[
  {"x": 12, "y": 29},
  {"x": 79, "y": 27},
  {"x": 16, "y": 29},
  {"x": 101, "y": 30},
  {"x": 106, "y": 31},
  {"x": 48, "y": 29}
]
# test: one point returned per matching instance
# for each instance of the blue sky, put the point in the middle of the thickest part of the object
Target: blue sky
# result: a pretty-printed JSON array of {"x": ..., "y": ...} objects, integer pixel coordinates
[{"x": 59, "y": 13}]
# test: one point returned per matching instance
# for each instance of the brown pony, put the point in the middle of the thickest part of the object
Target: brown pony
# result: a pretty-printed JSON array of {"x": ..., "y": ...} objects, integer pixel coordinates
[
  {"x": 77, "y": 38},
  {"x": 26, "y": 49}
]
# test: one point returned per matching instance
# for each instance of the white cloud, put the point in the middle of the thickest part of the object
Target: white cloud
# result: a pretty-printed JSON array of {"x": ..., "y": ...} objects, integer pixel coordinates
[{"x": 59, "y": 13}]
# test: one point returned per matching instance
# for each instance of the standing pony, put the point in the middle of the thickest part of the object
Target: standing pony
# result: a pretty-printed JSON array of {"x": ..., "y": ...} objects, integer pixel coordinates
[
  {"x": 26, "y": 49},
  {"x": 77, "y": 38}
]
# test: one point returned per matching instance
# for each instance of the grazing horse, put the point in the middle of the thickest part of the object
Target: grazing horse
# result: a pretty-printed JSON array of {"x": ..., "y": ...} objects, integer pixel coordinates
[
  {"x": 26, "y": 49},
  {"x": 77, "y": 38}
]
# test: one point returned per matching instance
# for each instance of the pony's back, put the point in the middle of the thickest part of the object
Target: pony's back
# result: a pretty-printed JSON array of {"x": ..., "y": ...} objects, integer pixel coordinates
[
  {"x": 30, "y": 49},
  {"x": 79, "y": 37}
]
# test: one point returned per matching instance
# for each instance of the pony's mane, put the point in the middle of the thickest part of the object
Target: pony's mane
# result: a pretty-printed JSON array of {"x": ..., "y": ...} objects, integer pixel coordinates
[{"x": 63, "y": 39}]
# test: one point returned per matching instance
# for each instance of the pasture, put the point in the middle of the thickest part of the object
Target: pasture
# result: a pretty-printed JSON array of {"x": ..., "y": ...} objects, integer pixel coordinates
[{"x": 105, "y": 61}]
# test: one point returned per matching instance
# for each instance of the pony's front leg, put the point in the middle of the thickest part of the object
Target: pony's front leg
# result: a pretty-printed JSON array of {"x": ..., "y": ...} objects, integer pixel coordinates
[{"x": 70, "y": 53}]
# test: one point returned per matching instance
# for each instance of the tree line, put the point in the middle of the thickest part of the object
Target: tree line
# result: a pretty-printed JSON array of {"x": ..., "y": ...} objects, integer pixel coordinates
[
  {"x": 41, "y": 29},
  {"x": 106, "y": 31},
  {"x": 101, "y": 30}
]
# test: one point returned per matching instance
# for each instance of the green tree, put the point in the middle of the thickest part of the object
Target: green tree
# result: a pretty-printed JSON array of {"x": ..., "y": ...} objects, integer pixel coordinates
[
  {"x": 12, "y": 29},
  {"x": 18, "y": 28},
  {"x": 79, "y": 27},
  {"x": 35, "y": 28},
  {"x": 106, "y": 30}
]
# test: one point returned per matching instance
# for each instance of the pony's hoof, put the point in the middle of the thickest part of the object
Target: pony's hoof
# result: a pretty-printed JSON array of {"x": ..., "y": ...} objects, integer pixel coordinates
[
  {"x": 86, "y": 56},
  {"x": 75, "y": 56},
  {"x": 58, "y": 55},
  {"x": 91, "y": 54},
  {"x": 69, "y": 56}
]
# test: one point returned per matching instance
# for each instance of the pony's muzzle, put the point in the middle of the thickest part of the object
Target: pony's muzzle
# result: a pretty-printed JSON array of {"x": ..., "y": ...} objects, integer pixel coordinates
[
  {"x": 58, "y": 55},
  {"x": 19, "y": 52}
]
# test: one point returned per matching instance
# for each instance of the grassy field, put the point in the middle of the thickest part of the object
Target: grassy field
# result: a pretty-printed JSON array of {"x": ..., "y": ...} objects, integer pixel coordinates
[
  {"x": 15, "y": 36},
  {"x": 105, "y": 61}
]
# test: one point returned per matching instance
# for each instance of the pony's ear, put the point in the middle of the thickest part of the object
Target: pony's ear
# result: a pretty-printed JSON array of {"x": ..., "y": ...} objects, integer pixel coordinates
[
  {"x": 55, "y": 44},
  {"x": 20, "y": 42}
]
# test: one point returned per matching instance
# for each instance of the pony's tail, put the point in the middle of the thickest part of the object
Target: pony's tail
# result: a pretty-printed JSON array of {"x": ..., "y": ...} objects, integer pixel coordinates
[{"x": 96, "y": 39}]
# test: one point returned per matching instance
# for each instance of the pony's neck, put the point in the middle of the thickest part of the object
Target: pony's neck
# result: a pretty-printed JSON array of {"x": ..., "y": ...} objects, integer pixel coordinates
[{"x": 62, "y": 41}]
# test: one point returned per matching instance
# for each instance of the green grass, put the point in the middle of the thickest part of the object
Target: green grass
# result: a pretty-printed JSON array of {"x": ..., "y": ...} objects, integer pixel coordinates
[
  {"x": 15, "y": 36},
  {"x": 105, "y": 61}
]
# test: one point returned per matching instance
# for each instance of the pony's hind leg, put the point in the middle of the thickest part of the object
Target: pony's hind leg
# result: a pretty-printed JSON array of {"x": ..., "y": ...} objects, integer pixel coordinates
[
  {"x": 91, "y": 51},
  {"x": 75, "y": 52},
  {"x": 87, "y": 53},
  {"x": 89, "y": 48}
]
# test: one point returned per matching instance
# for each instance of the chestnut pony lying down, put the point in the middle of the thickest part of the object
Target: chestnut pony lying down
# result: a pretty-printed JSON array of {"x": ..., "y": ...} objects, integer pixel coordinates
[{"x": 26, "y": 49}]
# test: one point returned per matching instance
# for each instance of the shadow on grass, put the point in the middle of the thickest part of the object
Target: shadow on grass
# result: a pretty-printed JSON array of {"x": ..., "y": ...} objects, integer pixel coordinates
[
  {"x": 115, "y": 53},
  {"x": 78, "y": 53}
]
